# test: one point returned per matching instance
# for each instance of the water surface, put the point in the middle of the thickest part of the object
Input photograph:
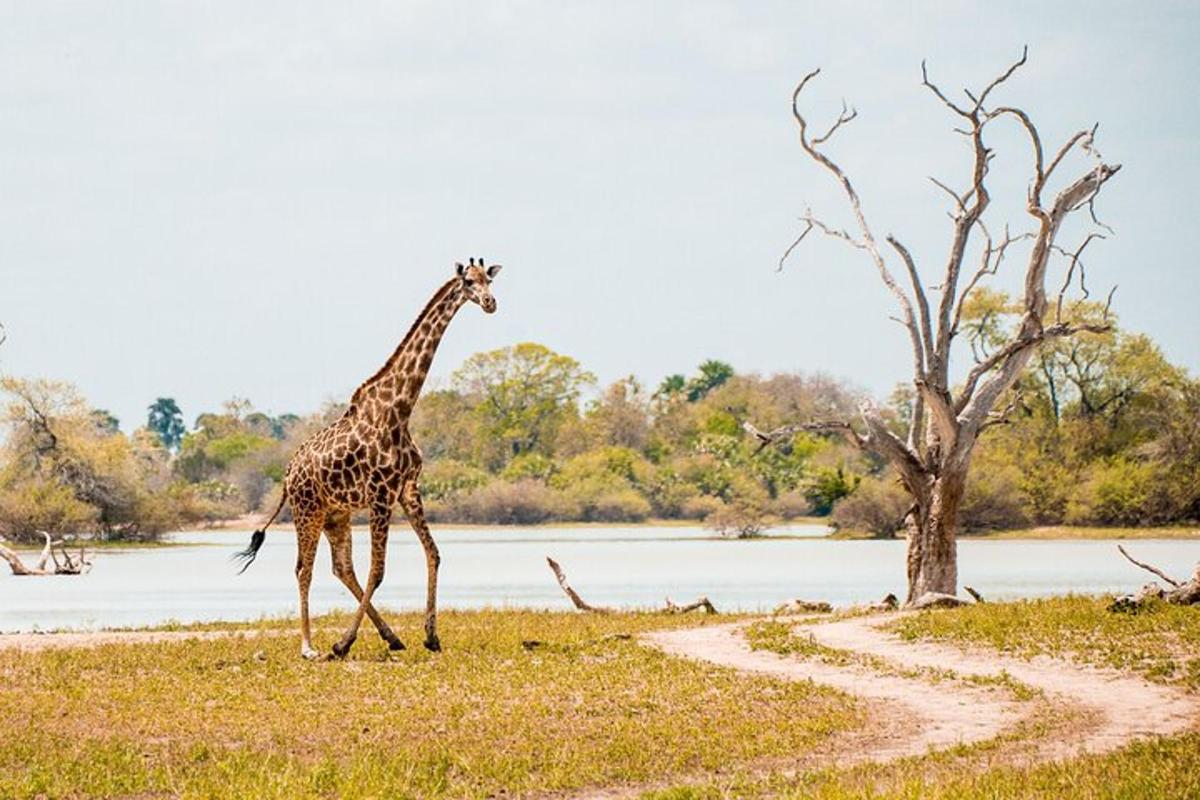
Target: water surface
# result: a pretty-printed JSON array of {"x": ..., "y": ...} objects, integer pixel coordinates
[{"x": 629, "y": 567}]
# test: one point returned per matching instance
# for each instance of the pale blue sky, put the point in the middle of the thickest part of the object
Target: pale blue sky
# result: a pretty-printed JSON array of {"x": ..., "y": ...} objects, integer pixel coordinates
[{"x": 203, "y": 200}]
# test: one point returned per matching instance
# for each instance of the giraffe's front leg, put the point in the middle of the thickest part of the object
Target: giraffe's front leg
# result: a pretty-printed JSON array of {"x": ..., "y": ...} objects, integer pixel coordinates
[
  {"x": 381, "y": 517},
  {"x": 410, "y": 501}
]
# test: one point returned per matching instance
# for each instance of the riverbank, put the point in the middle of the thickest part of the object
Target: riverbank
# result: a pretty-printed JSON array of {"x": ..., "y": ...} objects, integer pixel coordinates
[
  {"x": 1054, "y": 533},
  {"x": 539, "y": 704}
]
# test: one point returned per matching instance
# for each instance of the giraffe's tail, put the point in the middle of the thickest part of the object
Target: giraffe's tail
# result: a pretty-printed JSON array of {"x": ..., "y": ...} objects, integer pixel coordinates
[{"x": 247, "y": 556}]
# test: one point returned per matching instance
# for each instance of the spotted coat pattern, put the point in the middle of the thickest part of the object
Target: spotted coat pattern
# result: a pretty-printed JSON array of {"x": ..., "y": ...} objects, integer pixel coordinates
[{"x": 367, "y": 460}]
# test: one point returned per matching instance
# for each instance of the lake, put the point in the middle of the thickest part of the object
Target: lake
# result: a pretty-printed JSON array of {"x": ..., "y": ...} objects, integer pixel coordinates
[{"x": 194, "y": 580}]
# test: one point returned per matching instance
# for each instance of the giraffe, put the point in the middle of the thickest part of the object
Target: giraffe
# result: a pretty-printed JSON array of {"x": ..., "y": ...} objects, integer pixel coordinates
[{"x": 367, "y": 460}]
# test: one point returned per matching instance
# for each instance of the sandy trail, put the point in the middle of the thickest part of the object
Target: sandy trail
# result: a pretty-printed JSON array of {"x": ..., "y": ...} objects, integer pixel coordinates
[
  {"x": 912, "y": 716},
  {"x": 1119, "y": 707}
]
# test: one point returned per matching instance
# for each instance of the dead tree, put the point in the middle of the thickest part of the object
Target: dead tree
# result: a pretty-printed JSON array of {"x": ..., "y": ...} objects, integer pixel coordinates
[
  {"x": 69, "y": 565},
  {"x": 947, "y": 418}
]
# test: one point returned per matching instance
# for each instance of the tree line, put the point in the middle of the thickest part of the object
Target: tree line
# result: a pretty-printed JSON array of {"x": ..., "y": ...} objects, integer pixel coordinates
[{"x": 1104, "y": 431}]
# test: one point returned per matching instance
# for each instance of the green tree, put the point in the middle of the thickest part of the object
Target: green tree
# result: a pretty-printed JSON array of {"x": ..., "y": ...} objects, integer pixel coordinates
[
  {"x": 671, "y": 385},
  {"x": 166, "y": 420},
  {"x": 713, "y": 373},
  {"x": 522, "y": 394}
]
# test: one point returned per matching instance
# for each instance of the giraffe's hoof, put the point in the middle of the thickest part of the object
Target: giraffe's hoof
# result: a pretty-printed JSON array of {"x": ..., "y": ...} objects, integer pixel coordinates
[
  {"x": 342, "y": 648},
  {"x": 395, "y": 644},
  {"x": 309, "y": 654},
  {"x": 433, "y": 645}
]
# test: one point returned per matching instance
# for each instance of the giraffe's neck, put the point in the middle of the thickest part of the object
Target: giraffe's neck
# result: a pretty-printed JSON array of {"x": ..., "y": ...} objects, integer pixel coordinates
[{"x": 396, "y": 386}]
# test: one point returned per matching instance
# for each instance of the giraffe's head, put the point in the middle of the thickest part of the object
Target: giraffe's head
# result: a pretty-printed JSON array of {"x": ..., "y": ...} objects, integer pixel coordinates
[{"x": 477, "y": 283}]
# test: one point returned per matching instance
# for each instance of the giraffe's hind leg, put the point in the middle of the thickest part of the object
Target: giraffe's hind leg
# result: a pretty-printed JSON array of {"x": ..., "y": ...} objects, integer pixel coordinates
[
  {"x": 337, "y": 529},
  {"x": 308, "y": 536}
]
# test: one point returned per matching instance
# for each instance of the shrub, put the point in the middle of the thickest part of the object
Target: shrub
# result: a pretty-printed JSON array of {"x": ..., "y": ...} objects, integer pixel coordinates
[
  {"x": 523, "y": 502},
  {"x": 27, "y": 507},
  {"x": 791, "y": 505},
  {"x": 699, "y": 507},
  {"x": 993, "y": 500},
  {"x": 447, "y": 479},
  {"x": 1119, "y": 492},
  {"x": 877, "y": 505},
  {"x": 738, "y": 520},
  {"x": 826, "y": 486},
  {"x": 620, "y": 505}
]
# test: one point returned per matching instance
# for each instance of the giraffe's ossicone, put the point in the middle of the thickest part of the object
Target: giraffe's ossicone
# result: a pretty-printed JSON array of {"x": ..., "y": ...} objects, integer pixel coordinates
[{"x": 367, "y": 460}]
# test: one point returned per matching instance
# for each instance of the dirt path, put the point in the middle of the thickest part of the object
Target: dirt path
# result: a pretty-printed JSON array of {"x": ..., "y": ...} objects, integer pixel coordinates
[
  {"x": 1123, "y": 707},
  {"x": 1118, "y": 708},
  {"x": 911, "y": 716}
]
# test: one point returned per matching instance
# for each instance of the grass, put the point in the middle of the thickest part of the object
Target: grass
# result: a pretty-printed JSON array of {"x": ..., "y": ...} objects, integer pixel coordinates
[
  {"x": 1050, "y": 532},
  {"x": 1162, "y": 768},
  {"x": 1086, "y": 532},
  {"x": 1161, "y": 642},
  {"x": 781, "y": 638},
  {"x": 246, "y": 717}
]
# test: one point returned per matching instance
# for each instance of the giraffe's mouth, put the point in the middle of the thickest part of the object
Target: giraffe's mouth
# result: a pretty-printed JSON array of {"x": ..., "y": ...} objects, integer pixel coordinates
[{"x": 489, "y": 305}]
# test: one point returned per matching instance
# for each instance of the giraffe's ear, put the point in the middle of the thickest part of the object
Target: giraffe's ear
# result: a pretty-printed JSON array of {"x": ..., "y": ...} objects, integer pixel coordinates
[
  {"x": 462, "y": 271},
  {"x": 493, "y": 270}
]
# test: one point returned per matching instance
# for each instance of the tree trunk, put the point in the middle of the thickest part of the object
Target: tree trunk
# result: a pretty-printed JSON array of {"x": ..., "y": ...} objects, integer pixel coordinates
[{"x": 932, "y": 529}]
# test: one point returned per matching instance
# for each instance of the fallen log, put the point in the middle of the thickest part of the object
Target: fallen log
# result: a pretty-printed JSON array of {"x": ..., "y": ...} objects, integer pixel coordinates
[
  {"x": 69, "y": 565},
  {"x": 703, "y": 602},
  {"x": 798, "y": 606},
  {"x": 1183, "y": 593},
  {"x": 938, "y": 600},
  {"x": 583, "y": 605},
  {"x": 578, "y": 601}
]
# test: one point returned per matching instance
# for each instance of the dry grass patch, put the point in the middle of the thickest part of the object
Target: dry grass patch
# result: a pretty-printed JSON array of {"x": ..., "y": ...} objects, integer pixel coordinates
[
  {"x": 245, "y": 717},
  {"x": 1161, "y": 642}
]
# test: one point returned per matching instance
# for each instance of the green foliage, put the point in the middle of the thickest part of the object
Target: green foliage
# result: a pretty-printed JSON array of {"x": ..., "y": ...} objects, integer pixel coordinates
[
  {"x": 65, "y": 473},
  {"x": 521, "y": 395},
  {"x": 826, "y": 486},
  {"x": 876, "y": 505},
  {"x": 713, "y": 373},
  {"x": 166, "y": 420}
]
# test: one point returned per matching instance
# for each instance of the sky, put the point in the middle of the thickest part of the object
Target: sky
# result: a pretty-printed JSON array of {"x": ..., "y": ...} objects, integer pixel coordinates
[{"x": 210, "y": 200}]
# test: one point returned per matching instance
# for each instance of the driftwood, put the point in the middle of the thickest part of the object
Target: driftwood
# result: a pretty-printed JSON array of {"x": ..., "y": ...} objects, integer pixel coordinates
[
  {"x": 578, "y": 601},
  {"x": 583, "y": 605},
  {"x": 1184, "y": 593},
  {"x": 69, "y": 566},
  {"x": 938, "y": 600},
  {"x": 804, "y": 607}
]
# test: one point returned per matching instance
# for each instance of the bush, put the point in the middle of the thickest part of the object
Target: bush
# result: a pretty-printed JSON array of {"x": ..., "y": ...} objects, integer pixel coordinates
[
  {"x": 27, "y": 507},
  {"x": 1119, "y": 492},
  {"x": 738, "y": 520},
  {"x": 523, "y": 502},
  {"x": 447, "y": 479},
  {"x": 993, "y": 500},
  {"x": 876, "y": 505},
  {"x": 792, "y": 505},
  {"x": 827, "y": 486},
  {"x": 620, "y": 505},
  {"x": 700, "y": 507}
]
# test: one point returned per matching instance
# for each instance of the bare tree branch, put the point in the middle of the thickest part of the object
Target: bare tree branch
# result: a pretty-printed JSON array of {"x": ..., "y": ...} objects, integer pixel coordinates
[
  {"x": 1148, "y": 568},
  {"x": 807, "y": 230},
  {"x": 846, "y": 116},
  {"x": 868, "y": 240},
  {"x": 1074, "y": 261}
]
